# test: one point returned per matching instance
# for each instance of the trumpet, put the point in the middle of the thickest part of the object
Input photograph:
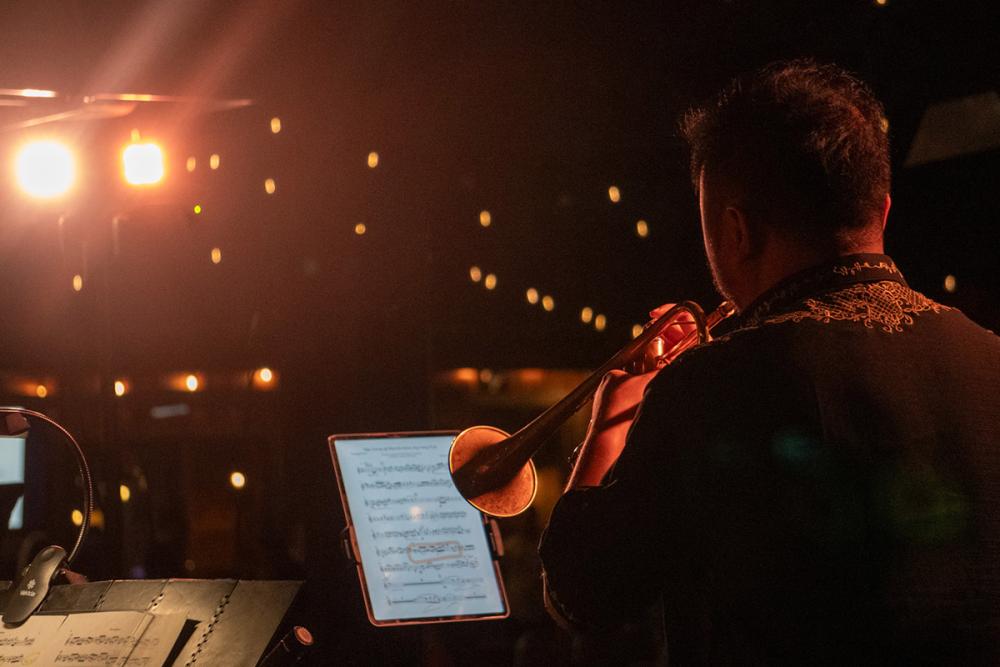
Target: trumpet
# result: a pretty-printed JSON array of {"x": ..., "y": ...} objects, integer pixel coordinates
[{"x": 493, "y": 470}]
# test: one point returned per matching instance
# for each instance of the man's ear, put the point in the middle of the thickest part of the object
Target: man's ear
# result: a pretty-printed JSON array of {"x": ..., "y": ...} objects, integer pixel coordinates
[{"x": 739, "y": 236}]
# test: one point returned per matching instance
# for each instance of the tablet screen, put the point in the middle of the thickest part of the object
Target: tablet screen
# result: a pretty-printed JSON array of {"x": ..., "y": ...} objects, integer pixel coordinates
[{"x": 423, "y": 549}]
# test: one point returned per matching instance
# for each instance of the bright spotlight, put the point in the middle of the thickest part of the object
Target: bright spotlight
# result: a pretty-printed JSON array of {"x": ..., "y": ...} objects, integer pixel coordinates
[
  {"x": 143, "y": 164},
  {"x": 45, "y": 169}
]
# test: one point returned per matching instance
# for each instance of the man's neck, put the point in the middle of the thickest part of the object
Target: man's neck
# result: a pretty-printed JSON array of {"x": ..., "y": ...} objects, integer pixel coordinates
[{"x": 777, "y": 263}]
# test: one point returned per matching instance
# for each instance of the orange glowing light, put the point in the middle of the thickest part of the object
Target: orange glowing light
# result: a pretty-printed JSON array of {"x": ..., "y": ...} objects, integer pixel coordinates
[
  {"x": 636, "y": 330},
  {"x": 121, "y": 388},
  {"x": 192, "y": 162},
  {"x": 269, "y": 186},
  {"x": 191, "y": 382},
  {"x": 124, "y": 493},
  {"x": 600, "y": 322},
  {"x": 77, "y": 282},
  {"x": 264, "y": 379},
  {"x": 275, "y": 125},
  {"x": 586, "y": 315},
  {"x": 41, "y": 391},
  {"x": 614, "y": 194},
  {"x": 950, "y": 283},
  {"x": 216, "y": 255},
  {"x": 45, "y": 169},
  {"x": 642, "y": 229},
  {"x": 485, "y": 218},
  {"x": 142, "y": 164},
  {"x": 76, "y": 516},
  {"x": 360, "y": 229},
  {"x": 475, "y": 273},
  {"x": 214, "y": 161},
  {"x": 532, "y": 295},
  {"x": 372, "y": 160},
  {"x": 548, "y": 303},
  {"x": 237, "y": 479},
  {"x": 490, "y": 281}
]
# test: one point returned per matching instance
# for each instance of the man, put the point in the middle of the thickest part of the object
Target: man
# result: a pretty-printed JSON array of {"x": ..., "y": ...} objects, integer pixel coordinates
[{"x": 821, "y": 485}]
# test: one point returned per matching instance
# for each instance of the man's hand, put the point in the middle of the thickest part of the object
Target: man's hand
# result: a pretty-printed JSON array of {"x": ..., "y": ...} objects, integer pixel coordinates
[{"x": 615, "y": 405}]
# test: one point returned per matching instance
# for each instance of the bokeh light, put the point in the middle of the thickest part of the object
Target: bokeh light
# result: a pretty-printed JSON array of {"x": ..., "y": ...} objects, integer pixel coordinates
[
  {"x": 372, "y": 160},
  {"x": 143, "y": 164},
  {"x": 45, "y": 169},
  {"x": 237, "y": 479},
  {"x": 532, "y": 295},
  {"x": 490, "y": 281},
  {"x": 476, "y": 274},
  {"x": 614, "y": 194}
]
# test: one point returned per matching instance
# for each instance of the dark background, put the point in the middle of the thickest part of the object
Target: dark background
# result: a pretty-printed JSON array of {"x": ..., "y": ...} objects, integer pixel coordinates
[{"x": 528, "y": 111}]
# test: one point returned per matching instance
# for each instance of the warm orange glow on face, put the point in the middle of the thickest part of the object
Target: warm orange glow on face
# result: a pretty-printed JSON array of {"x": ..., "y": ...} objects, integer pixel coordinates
[{"x": 142, "y": 164}]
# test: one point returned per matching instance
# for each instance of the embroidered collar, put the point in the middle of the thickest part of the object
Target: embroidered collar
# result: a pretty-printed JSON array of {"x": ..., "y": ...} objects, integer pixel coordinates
[{"x": 843, "y": 271}]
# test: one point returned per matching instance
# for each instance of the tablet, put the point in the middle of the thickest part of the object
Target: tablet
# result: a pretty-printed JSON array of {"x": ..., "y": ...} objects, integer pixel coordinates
[{"x": 424, "y": 555}]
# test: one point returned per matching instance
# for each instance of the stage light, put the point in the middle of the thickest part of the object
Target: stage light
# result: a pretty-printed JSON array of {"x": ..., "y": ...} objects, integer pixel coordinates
[
  {"x": 197, "y": 209},
  {"x": 485, "y": 219},
  {"x": 490, "y": 281},
  {"x": 642, "y": 229},
  {"x": 214, "y": 161},
  {"x": 360, "y": 229},
  {"x": 275, "y": 125},
  {"x": 636, "y": 330},
  {"x": 372, "y": 160},
  {"x": 191, "y": 382},
  {"x": 216, "y": 255},
  {"x": 192, "y": 162},
  {"x": 77, "y": 282},
  {"x": 614, "y": 194},
  {"x": 142, "y": 164},
  {"x": 45, "y": 169},
  {"x": 265, "y": 374},
  {"x": 600, "y": 322},
  {"x": 76, "y": 516},
  {"x": 586, "y": 315},
  {"x": 41, "y": 391},
  {"x": 548, "y": 303},
  {"x": 269, "y": 186},
  {"x": 121, "y": 388},
  {"x": 124, "y": 493},
  {"x": 532, "y": 295},
  {"x": 476, "y": 274},
  {"x": 237, "y": 479},
  {"x": 949, "y": 284}
]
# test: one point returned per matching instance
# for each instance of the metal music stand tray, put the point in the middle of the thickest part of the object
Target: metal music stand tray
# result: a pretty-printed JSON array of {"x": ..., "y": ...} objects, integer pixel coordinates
[{"x": 230, "y": 622}]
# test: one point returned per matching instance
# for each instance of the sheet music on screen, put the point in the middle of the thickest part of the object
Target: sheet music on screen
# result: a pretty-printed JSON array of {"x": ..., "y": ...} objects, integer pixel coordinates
[{"x": 423, "y": 547}]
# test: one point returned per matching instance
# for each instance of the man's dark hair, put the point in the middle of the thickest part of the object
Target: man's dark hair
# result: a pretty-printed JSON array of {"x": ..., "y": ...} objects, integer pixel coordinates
[{"x": 803, "y": 143}]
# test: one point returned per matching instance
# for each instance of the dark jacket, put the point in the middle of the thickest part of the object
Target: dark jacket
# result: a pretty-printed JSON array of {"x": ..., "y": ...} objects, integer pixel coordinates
[{"x": 822, "y": 485}]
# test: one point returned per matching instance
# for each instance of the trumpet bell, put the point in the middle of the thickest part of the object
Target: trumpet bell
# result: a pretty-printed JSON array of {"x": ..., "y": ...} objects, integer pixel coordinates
[{"x": 509, "y": 499}]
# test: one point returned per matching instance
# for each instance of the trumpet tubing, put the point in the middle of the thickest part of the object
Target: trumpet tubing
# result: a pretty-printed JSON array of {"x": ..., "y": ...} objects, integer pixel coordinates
[{"x": 493, "y": 470}]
